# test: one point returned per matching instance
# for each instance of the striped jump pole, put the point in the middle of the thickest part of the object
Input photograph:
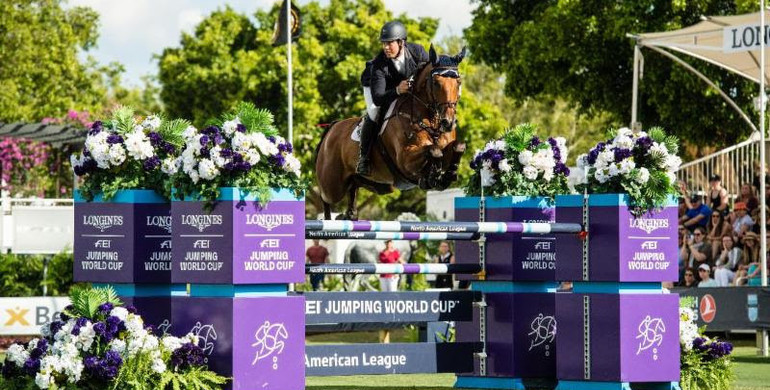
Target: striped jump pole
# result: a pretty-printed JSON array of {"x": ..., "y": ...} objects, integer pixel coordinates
[
  {"x": 442, "y": 227},
  {"x": 326, "y": 235},
  {"x": 411, "y": 268}
]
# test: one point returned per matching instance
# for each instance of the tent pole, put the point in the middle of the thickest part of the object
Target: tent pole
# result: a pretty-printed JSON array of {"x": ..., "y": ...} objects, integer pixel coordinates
[
  {"x": 635, "y": 91},
  {"x": 763, "y": 167}
]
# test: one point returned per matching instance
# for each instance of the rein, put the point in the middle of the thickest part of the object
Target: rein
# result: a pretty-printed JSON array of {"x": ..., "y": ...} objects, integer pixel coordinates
[{"x": 434, "y": 107}]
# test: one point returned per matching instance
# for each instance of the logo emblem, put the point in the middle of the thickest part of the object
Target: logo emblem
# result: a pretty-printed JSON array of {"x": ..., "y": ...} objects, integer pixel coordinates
[
  {"x": 163, "y": 327},
  {"x": 649, "y": 225},
  {"x": 269, "y": 341},
  {"x": 17, "y": 316},
  {"x": 753, "y": 310},
  {"x": 207, "y": 335},
  {"x": 543, "y": 332},
  {"x": 708, "y": 308},
  {"x": 651, "y": 332}
]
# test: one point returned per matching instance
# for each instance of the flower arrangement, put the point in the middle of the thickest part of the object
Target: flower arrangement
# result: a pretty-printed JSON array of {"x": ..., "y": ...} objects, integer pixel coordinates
[
  {"x": 520, "y": 163},
  {"x": 641, "y": 164},
  {"x": 705, "y": 362},
  {"x": 97, "y": 344},
  {"x": 124, "y": 153},
  {"x": 243, "y": 150}
]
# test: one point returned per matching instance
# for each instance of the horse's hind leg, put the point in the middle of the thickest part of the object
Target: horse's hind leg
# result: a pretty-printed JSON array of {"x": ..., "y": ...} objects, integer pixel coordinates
[{"x": 327, "y": 211}]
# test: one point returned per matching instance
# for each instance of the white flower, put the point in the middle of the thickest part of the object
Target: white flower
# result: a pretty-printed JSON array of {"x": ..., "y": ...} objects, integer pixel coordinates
[
  {"x": 194, "y": 176},
  {"x": 189, "y": 133},
  {"x": 229, "y": 127},
  {"x": 530, "y": 172},
  {"x": 99, "y": 148},
  {"x": 487, "y": 176},
  {"x": 582, "y": 161},
  {"x": 644, "y": 175},
  {"x": 118, "y": 346},
  {"x": 241, "y": 142},
  {"x": 613, "y": 170},
  {"x": 86, "y": 337},
  {"x": 170, "y": 166},
  {"x": 252, "y": 156},
  {"x": 44, "y": 381},
  {"x": 624, "y": 132},
  {"x": 605, "y": 158},
  {"x": 171, "y": 343},
  {"x": 548, "y": 175},
  {"x": 207, "y": 169},
  {"x": 158, "y": 366},
  {"x": 264, "y": 145},
  {"x": 504, "y": 166},
  {"x": 152, "y": 122},
  {"x": 601, "y": 176},
  {"x": 623, "y": 142},
  {"x": 138, "y": 145},
  {"x": 671, "y": 176},
  {"x": 525, "y": 156},
  {"x": 673, "y": 162},
  {"x": 561, "y": 142},
  {"x": 119, "y": 312},
  {"x": 658, "y": 148},
  {"x": 576, "y": 177},
  {"x": 17, "y": 354},
  {"x": 216, "y": 156},
  {"x": 76, "y": 160},
  {"x": 134, "y": 323},
  {"x": 291, "y": 164},
  {"x": 626, "y": 166},
  {"x": 499, "y": 144},
  {"x": 117, "y": 154}
]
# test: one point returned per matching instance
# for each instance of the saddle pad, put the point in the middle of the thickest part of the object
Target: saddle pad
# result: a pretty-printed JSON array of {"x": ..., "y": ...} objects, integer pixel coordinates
[{"x": 356, "y": 134}]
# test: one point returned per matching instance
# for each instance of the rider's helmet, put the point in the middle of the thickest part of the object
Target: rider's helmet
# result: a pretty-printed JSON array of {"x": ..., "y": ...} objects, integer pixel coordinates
[{"x": 393, "y": 31}]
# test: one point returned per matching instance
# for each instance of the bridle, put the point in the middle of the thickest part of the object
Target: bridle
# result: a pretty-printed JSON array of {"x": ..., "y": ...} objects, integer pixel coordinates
[{"x": 436, "y": 108}]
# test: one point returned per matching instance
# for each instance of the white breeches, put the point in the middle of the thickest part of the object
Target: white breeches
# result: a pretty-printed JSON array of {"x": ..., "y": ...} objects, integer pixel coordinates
[{"x": 371, "y": 109}]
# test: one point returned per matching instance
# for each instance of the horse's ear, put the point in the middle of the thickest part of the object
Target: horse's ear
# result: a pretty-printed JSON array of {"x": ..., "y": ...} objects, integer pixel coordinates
[
  {"x": 433, "y": 56},
  {"x": 459, "y": 58}
]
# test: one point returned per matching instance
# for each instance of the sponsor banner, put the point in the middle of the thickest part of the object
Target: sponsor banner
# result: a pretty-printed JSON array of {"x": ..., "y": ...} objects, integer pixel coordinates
[
  {"x": 25, "y": 316},
  {"x": 203, "y": 243},
  {"x": 746, "y": 37},
  {"x": 648, "y": 247},
  {"x": 382, "y": 359},
  {"x": 729, "y": 308},
  {"x": 339, "y": 307}
]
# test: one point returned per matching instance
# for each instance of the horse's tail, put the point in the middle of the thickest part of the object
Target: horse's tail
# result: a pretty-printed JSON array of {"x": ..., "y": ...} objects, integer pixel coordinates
[{"x": 326, "y": 127}]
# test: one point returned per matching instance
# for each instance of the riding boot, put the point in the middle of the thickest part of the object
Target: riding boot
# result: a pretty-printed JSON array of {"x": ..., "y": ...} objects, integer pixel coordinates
[{"x": 368, "y": 135}]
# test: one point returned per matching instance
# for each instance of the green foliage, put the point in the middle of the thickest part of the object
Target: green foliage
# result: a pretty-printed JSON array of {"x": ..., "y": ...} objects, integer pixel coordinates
[
  {"x": 701, "y": 374},
  {"x": 85, "y": 301},
  {"x": 578, "y": 52},
  {"x": 196, "y": 378},
  {"x": 22, "y": 275}
]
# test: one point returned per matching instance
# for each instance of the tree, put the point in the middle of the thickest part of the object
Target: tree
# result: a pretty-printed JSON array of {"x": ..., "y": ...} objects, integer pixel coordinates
[
  {"x": 578, "y": 51},
  {"x": 40, "y": 72}
]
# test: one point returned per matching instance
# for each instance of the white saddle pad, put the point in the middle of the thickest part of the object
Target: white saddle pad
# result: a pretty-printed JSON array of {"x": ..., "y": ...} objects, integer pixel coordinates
[{"x": 356, "y": 134}]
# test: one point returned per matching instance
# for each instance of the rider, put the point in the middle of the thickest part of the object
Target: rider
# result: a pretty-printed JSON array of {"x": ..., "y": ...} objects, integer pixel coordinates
[{"x": 384, "y": 78}]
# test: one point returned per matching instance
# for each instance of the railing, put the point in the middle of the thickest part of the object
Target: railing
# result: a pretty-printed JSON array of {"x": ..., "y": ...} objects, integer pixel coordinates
[{"x": 736, "y": 165}]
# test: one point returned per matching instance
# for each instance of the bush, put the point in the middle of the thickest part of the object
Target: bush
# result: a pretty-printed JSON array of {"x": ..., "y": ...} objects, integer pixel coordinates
[{"x": 22, "y": 275}]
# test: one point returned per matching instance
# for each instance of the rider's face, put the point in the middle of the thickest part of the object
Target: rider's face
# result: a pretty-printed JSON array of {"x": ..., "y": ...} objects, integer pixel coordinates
[{"x": 390, "y": 49}]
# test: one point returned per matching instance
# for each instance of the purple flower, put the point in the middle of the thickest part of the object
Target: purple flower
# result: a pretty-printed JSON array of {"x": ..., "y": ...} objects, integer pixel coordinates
[
  {"x": 561, "y": 168},
  {"x": 55, "y": 327},
  {"x": 79, "y": 323},
  {"x": 229, "y": 166},
  {"x": 106, "y": 308},
  {"x": 271, "y": 139},
  {"x": 10, "y": 370},
  {"x": 113, "y": 357},
  {"x": 114, "y": 139},
  {"x": 552, "y": 142},
  {"x": 700, "y": 344},
  {"x": 211, "y": 131},
  {"x": 96, "y": 128},
  {"x": 644, "y": 143},
  {"x": 621, "y": 154},
  {"x": 240, "y": 127},
  {"x": 205, "y": 152},
  {"x": 218, "y": 139},
  {"x": 32, "y": 366},
  {"x": 188, "y": 355},
  {"x": 237, "y": 157},
  {"x": 131, "y": 309},
  {"x": 226, "y": 153},
  {"x": 594, "y": 153},
  {"x": 63, "y": 315},
  {"x": 535, "y": 141},
  {"x": 277, "y": 159},
  {"x": 204, "y": 140},
  {"x": 151, "y": 163},
  {"x": 100, "y": 328},
  {"x": 168, "y": 147},
  {"x": 155, "y": 138},
  {"x": 91, "y": 363}
]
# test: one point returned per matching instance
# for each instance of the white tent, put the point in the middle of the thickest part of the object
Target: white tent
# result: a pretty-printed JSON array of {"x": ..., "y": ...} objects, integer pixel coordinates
[{"x": 734, "y": 43}]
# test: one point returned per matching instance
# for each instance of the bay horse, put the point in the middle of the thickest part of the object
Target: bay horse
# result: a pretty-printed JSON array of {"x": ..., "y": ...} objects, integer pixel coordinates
[{"x": 417, "y": 147}]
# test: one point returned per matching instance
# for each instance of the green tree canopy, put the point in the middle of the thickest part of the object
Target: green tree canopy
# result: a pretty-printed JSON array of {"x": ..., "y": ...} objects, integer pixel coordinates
[
  {"x": 40, "y": 72},
  {"x": 578, "y": 51},
  {"x": 229, "y": 58}
]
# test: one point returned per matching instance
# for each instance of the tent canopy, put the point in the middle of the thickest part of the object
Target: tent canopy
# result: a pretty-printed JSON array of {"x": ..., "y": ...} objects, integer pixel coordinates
[
  {"x": 730, "y": 42},
  {"x": 56, "y": 135}
]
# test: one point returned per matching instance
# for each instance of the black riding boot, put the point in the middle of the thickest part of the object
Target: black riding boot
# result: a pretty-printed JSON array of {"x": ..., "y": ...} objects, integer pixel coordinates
[{"x": 368, "y": 135}]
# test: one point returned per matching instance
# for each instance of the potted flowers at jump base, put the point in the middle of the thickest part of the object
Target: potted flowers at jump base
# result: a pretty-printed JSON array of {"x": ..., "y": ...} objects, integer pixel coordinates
[
  {"x": 630, "y": 215},
  {"x": 122, "y": 212},
  {"x": 516, "y": 177},
  {"x": 238, "y": 207}
]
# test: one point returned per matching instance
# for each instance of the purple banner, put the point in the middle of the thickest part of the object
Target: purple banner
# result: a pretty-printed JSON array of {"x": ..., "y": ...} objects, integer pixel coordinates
[
  {"x": 152, "y": 243},
  {"x": 258, "y": 341},
  {"x": 648, "y": 247},
  {"x": 269, "y": 243},
  {"x": 631, "y": 337}
]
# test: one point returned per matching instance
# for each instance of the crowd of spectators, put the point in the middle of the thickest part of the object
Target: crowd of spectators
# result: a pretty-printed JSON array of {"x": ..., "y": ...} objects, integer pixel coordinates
[{"x": 719, "y": 239}]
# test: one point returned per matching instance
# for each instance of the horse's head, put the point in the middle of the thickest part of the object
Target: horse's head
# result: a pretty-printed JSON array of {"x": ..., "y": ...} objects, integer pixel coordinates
[{"x": 442, "y": 86}]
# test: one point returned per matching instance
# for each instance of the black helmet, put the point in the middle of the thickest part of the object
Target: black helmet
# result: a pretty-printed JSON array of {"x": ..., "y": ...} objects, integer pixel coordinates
[{"x": 392, "y": 31}]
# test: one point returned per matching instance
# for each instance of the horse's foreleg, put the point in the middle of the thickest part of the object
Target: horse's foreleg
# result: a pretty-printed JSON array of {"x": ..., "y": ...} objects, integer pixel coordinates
[
  {"x": 352, "y": 212},
  {"x": 327, "y": 211}
]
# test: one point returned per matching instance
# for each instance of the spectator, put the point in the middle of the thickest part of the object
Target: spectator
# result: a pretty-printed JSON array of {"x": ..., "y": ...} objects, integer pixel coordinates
[
  {"x": 748, "y": 196},
  {"x": 689, "y": 278},
  {"x": 317, "y": 254},
  {"x": 444, "y": 256},
  {"x": 728, "y": 262},
  {"x": 696, "y": 250},
  {"x": 717, "y": 227},
  {"x": 757, "y": 173},
  {"x": 717, "y": 195},
  {"x": 756, "y": 216},
  {"x": 697, "y": 213},
  {"x": 704, "y": 271},
  {"x": 684, "y": 256},
  {"x": 742, "y": 222},
  {"x": 390, "y": 255},
  {"x": 749, "y": 255}
]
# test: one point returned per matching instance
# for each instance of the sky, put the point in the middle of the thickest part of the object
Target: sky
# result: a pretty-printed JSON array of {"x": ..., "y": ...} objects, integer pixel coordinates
[{"x": 131, "y": 32}]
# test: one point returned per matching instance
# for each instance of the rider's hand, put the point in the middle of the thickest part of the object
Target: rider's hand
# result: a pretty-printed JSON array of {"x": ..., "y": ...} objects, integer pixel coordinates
[{"x": 403, "y": 87}]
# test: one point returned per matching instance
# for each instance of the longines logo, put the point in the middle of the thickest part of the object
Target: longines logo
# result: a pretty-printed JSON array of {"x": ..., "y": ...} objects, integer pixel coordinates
[
  {"x": 649, "y": 225},
  {"x": 269, "y": 221},
  {"x": 161, "y": 221},
  {"x": 103, "y": 222},
  {"x": 201, "y": 221},
  {"x": 269, "y": 342}
]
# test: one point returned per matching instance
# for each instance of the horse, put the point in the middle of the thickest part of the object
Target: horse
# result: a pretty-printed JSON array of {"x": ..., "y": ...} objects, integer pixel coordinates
[{"x": 418, "y": 145}]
